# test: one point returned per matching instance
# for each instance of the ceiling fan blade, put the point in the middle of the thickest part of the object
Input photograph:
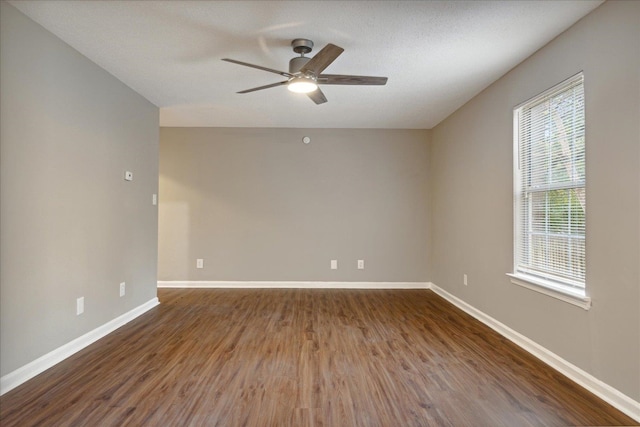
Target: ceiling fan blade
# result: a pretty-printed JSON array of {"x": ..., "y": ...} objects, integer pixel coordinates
[
  {"x": 340, "y": 79},
  {"x": 246, "y": 64},
  {"x": 322, "y": 59},
  {"x": 317, "y": 96},
  {"x": 264, "y": 87}
]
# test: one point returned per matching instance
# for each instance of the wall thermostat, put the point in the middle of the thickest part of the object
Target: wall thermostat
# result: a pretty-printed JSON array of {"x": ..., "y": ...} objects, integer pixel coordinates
[{"x": 306, "y": 140}]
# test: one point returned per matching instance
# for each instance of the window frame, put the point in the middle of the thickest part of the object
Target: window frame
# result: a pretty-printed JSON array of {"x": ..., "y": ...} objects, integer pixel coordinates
[{"x": 563, "y": 289}]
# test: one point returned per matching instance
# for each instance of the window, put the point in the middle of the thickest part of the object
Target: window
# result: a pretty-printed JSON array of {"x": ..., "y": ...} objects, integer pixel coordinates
[{"x": 549, "y": 191}]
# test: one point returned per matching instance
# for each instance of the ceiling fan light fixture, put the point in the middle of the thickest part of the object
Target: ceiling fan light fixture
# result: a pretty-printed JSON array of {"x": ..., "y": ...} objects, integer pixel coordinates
[
  {"x": 304, "y": 72},
  {"x": 302, "y": 85}
]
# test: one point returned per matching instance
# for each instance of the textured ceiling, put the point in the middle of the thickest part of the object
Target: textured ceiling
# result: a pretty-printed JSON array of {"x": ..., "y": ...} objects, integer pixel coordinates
[{"x": 436, "y": 54}]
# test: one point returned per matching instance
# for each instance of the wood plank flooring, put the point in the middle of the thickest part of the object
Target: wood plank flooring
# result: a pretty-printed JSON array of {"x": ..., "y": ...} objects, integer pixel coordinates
[{"x": 313, "y": 357}]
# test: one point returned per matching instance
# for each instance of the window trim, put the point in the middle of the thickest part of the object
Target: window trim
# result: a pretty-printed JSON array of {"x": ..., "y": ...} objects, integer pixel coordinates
[
  {"x": 563, "y": 291},
  {"x": 552, "y": 289}
]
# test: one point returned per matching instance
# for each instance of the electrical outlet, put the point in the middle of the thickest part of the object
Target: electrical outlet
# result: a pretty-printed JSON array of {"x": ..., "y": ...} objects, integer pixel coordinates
[
  {"x": 122, "y": 288},
  {"x": 464, "y": 279},
  {"x": 334, "y": 264},
  {"x": 154, "y": 199},
  {"x": 199, "y": 263},
  {"x": 79, "y": 306},
  {"x": 360, "y": 264}
]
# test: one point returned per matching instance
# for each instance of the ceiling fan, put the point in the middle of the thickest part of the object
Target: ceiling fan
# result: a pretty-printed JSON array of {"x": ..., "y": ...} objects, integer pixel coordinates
[{"x": 304, "y": 74}]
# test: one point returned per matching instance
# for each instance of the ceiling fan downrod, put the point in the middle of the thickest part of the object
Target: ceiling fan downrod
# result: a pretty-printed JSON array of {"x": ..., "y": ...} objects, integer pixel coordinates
[{"x": 301, "y": 46}]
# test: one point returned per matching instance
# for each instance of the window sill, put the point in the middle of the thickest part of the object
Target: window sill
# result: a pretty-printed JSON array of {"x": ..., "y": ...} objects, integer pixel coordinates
[{"x": 550, "y": 289}]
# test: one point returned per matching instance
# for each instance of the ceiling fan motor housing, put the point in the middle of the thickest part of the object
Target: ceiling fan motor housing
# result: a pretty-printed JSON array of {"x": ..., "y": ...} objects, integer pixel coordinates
[{"x": 296, "y": 63}]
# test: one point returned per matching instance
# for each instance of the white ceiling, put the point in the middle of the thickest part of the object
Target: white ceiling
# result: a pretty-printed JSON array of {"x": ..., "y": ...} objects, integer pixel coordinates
[{"x": 436, "y": 54}]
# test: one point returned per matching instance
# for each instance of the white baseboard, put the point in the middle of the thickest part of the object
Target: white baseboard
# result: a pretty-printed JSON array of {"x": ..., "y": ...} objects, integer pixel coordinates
[
  {"x": 290, "y": 284},
  {"x": 41, "y": 364},
  {"x": 604, "y": 391}
]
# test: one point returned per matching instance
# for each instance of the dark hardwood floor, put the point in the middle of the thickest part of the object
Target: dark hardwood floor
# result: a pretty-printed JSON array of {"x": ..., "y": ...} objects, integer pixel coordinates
[{"x": 303, "y": 358}]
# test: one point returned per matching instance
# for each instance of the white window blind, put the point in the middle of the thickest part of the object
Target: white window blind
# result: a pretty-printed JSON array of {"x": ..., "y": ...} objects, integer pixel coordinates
[{"x": 550, "y": 186}]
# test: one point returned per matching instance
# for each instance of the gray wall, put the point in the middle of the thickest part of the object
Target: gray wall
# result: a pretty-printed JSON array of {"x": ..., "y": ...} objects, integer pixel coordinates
[
  {"x": 472, "y": 209},
  {"x": 70, "y": 225},
  {"x": 258, "y": 204}
]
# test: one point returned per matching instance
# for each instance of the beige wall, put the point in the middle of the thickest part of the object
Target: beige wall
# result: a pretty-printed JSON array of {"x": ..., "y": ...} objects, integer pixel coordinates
[
  {"x": 258, "y": 204},
  {"x": 472, "y": 209},
  {"x": 70, "y": 225}
]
